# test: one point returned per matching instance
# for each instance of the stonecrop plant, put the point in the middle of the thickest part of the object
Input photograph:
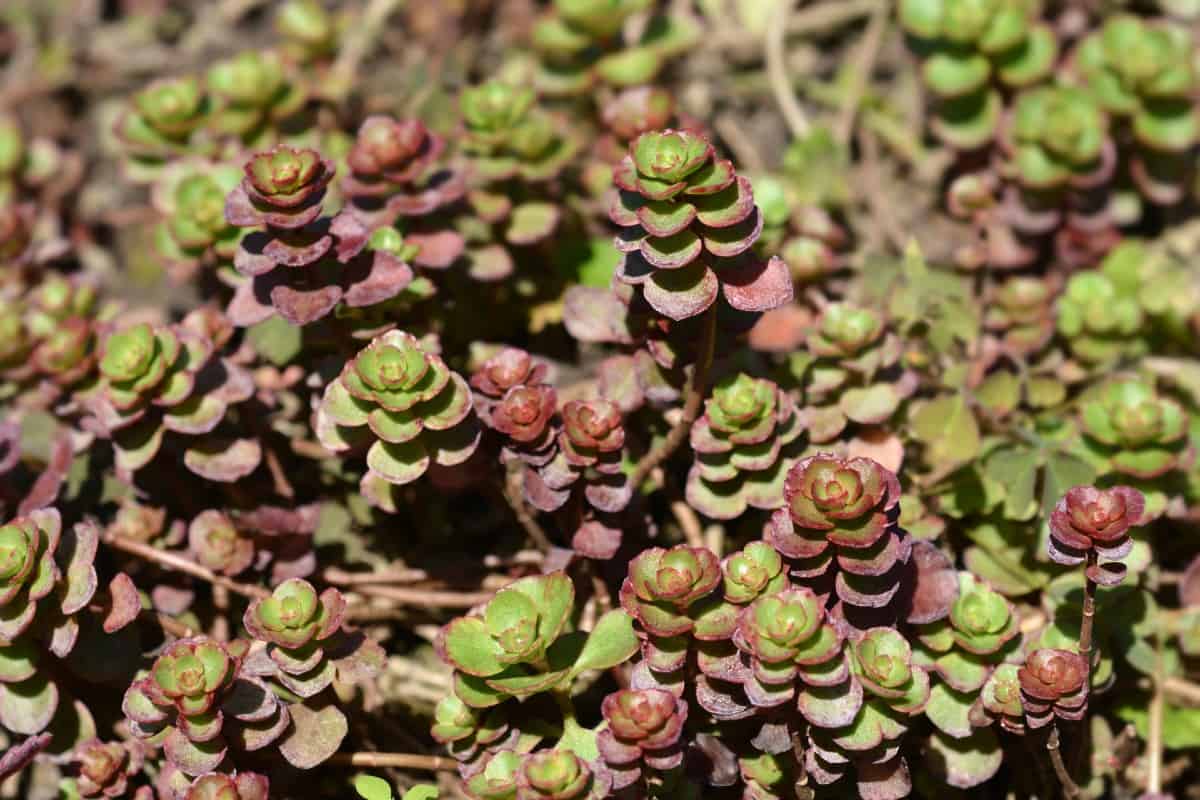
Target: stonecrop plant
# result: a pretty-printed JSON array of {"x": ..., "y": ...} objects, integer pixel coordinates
[{"x": 599, "y": 400}]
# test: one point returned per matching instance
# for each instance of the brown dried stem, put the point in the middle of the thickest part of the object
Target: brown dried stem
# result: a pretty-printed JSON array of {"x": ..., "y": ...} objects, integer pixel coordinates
[
  {"x": 860, "y": 71},
  {"x": 178, "y": 563},
  {"x": 1070, "y": 790},
  {"x": 696, "y": 391},
  {"x": 395, "y": 760},
  {"x": 431, "y": 598},
  {"x": 777, "y": 73},
  {"x": 514, "y": 495}
]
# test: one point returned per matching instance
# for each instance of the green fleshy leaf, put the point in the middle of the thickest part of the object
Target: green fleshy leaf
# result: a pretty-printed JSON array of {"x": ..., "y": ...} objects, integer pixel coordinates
[
  {"x": 949, "y": 711},
  {"x": 276, "y": 340},
  {"x": 948, "y": 429},
  {"x": 967, "y": 762},
  {"x": 611, "y": 642}
]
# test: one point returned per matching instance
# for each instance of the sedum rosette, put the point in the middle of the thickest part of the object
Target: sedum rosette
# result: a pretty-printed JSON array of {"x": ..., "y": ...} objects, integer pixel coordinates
[
  {"x": 159, "y": 123},
  {"x": 193, "y": 689},
  {"x": 743, "y": 446},
  {"x": 1100, "y": 318},
  {"x": 158, "y": 379},
  {"x": 1132, "y": 430},
  {"x": 1053, "y": 684},
  {"x": 402, "y": 400},
  {"x": 1145, "y": 73},
  {"x": 47, "y": 578},
  {"x": 972, "y": 49},
  {"x": 1088, "y": 523},
  {"x": 688, "y": 225},
  {"x": 643, "y": 733},
  {"x": 840, "y": 525},
  {"x": 251, "y": 92},
  {"x": 105, "y": 767},
  {"x": 298, "y": 626}
]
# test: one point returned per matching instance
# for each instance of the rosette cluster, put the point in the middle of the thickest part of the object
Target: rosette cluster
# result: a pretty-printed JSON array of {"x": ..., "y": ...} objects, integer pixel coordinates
[
  {"x": 156, "y": 379},
  {"x": 299, "y": 627},
  {"x": 643, "y": 733},
  {"x": 47, "y": 577},
  {"x": 402, "y": 400},
  {"x": 577, "y": 448},
  {"x": 1133, "y": 430},
  {"x": 513, "y": 149},
  {"x": 1144, "y": 74},
  {"x": 744, "y": 442},
  {"x": 1089, "y": 523},
  {"x": 1053, "y": 684},
  {"x": 853, "y": 376},
  {"x": 395, "y": 180},
  {"x": 972, "y": 52},
  {"x": 689, "y": 223},
  {"x": 291, "y": 263},
  {"x": 839, "y": 529},
  {"x": 197, "y": 700}
]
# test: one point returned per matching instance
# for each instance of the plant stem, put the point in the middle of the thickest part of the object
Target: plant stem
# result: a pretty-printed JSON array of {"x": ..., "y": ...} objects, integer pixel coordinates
[
  {"x": 514, "y": 495},
  {"x": 696, "y": 391},
  {"x": 1060, "y": 769},
  {"x": 860, "y": 72},
  {"x": 433, "y": 598},
  {"x": 174, "y": 561},
  {"x": 1154, "y": 738},
  {"x": 1089, "y": 614},
  {"x": 773, "y": 46},
  {"x": 394, "y": 760},
  {"x": 1085, "y": 649}
]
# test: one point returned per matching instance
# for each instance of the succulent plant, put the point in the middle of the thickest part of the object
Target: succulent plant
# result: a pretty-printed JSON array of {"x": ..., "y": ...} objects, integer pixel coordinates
[
  {"x": 1000, "y": 698},
  {"x": 1053, "y": 684},
  {"x": 155, "y": 379},
  {"x": 663, "y": 584},
  {"x": 293, "y": 266},
  {"x": 417, "y": 410},
  {"x": 191, "y": 198},
  {"x": 310, "y": 33},
  {"x": 218, "y": 786},
  {"x": 1100, "y": 319},
  {"x": 513, "y": 148},
  {"x": 1133, "y": 430},
  {"x": 1088, "y": 519},
  {"x": 644, "y": 729},
  {"x": 971, "y": 50},
  {"x": 689, "y": 223},
  {"x": 1145, "y": 73},
  {"x": 250, "y": 92},
  {"x": 580, "y": 43},
  {"x": 1022, "y": 314},
  {"x": 743, "y": 447},
  {"x": 217, "y": 544},
  {"x": 557, "y": 775},
  {"x": 184, "y": 700},
  {"x": 848, "y": 508},
  {"x": 466, "y": 730},
  {"x": 518, "y": 644},
  {"x": 517, "y": 627},
  {"x": 1058, "y": 135},
  {"x": 852, "y": 377},
  {"x": 159, "y": 123},
  {"x": 298, "y": 624},
  {"x": 105, "y": 768}
]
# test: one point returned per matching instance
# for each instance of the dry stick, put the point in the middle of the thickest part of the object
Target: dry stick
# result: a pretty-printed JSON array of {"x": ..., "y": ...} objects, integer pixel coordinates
[
  {"x": 860, "y": 71},
  {"x": 697, "y": 389},
  {"x": 359, "y": 42},
  {"x": 876, "y": 200},
  {"x": 1182, "y": 691},
  {"x": 174, "y": 561},
  {"x": 693, "y": 532},
  {"x": 1154, "y": 741},
  {"x": 1060, "y": 769},
  {"x": 431, "y": 598},
  {"x": 1085, "y": 650},
  {"x": 773, "y": 46},
  {"x": 514, "y": 495},
  {"x": 395, "y": 760}
]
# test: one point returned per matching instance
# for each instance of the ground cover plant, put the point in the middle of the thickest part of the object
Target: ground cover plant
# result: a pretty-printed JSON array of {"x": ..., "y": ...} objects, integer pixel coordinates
[{"x": 583, "y": 399}]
